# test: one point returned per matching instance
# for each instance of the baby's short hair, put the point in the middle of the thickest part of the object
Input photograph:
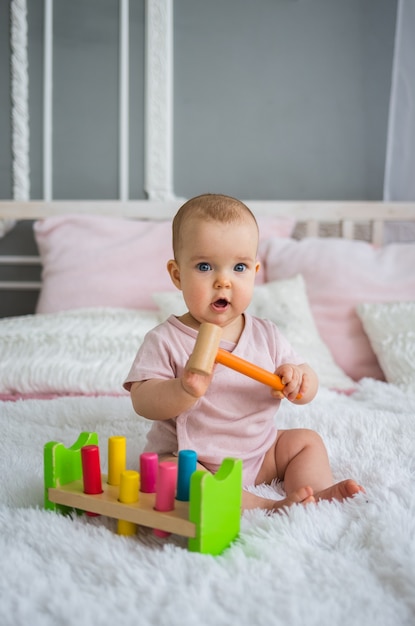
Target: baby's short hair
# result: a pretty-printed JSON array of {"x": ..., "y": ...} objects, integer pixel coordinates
[{"x": 212, "y": 207}]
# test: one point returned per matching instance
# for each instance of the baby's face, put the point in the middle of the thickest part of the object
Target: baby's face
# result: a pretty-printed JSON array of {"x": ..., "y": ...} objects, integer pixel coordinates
[{"x": 217, "y": 267}]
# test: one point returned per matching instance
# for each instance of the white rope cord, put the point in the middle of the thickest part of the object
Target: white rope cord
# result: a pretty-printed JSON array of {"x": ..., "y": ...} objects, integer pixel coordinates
[{"x": 20, "y": 100}]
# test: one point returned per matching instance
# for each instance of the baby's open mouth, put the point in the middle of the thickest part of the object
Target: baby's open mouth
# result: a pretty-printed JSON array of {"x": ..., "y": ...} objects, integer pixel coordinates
[{"x": 221, "y": 303}]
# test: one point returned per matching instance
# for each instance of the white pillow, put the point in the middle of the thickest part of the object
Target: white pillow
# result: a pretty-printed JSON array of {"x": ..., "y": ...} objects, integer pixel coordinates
[
  {"x": 170, "y": 303},
  {"x": 285, "y": 303},
  {"x": 391, "y": 330},
  {"x": 82, "y": 351}
]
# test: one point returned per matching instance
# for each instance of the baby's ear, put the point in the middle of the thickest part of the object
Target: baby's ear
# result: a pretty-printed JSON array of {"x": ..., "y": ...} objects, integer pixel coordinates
[{"x": 174, "y": 271}]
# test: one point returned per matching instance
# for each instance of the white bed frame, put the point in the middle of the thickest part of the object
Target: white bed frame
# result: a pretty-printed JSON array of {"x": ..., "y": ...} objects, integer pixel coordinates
[{"x": 316, "y": 219}]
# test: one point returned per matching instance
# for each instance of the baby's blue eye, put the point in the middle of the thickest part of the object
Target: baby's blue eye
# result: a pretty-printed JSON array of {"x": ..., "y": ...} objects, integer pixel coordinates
[
  {"x": 239, "y": 267},
  {"x": 203, "y": 267}
]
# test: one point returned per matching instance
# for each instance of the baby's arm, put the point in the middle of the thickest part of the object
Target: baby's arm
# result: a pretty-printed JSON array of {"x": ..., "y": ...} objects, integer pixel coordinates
[
  {"x": 300, "y": 383},
  {"x": 162, "y": 399}
]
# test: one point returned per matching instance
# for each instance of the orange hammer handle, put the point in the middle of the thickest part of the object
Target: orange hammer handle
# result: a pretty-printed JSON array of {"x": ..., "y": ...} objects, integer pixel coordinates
[
  {"x": 249, "y": 369},
  {"x": 207, "y": 351}
]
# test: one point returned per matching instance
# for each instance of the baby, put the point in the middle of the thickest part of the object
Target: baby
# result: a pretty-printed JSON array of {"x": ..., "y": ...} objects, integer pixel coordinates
[{"x": 225, "y": 414}]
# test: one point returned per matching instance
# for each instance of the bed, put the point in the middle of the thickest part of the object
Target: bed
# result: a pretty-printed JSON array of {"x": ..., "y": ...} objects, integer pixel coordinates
[{"x": 344, "y": 295}]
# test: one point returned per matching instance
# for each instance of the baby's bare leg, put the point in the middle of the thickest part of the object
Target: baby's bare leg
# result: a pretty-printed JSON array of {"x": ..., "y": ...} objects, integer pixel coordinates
[{"x": 299, "y": 458}]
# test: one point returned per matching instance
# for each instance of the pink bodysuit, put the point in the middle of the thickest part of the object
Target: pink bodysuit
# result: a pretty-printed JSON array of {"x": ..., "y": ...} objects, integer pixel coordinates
[{"x": 235, "y": 418}]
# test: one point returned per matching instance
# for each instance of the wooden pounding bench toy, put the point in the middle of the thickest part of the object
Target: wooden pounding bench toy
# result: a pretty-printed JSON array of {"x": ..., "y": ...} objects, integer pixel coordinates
[
  {"x": 206, "y": 352},
  {"x": 172, "y": 497}
]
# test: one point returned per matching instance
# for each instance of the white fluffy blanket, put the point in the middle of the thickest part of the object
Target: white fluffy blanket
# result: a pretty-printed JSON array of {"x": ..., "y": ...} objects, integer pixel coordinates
[{"x": 327, "y": 564}]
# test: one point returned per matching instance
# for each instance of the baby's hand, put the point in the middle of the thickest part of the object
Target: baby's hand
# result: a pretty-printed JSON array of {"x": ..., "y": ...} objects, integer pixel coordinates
[
  {"x": 195, "y": 384},
  {"x": 292, "y": 377}
]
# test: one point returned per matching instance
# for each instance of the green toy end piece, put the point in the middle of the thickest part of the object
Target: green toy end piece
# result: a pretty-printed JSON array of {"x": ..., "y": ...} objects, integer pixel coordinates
[
  {"x": 63, "y": 465},
  {"x": 215, "y": 507}
]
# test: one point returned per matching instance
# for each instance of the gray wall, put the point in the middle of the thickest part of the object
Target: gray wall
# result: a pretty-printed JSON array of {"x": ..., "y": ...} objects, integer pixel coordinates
[
  {"x": 273, "y": 99},
  {"x": 284, "y": 99}
]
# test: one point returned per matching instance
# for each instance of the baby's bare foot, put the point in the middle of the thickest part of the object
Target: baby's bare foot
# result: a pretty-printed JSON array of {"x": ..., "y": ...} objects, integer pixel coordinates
[
  {"x": 340, "y": 491},
  {"x": 304, "y": 495}
]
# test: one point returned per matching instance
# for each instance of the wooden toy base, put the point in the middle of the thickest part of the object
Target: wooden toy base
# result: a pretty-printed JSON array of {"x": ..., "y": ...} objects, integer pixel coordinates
[{"x": 141, "y": 512}]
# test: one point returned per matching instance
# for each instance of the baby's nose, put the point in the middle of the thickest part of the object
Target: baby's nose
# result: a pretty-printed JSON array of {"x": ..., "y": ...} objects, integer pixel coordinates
[{"x": 222, "y": 280}]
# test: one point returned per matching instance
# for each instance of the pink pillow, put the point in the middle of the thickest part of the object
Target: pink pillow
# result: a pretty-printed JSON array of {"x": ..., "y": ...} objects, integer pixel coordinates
[
  {"x": 339, "y": 274},
  {"x": 100, "y": 261},
  {"x": 91, "y": 261},
  {"x": 271, "y": 227}
]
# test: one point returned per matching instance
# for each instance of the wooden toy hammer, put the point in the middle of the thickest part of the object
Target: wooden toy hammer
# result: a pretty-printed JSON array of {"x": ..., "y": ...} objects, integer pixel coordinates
[{"x": 206, "y": 352}]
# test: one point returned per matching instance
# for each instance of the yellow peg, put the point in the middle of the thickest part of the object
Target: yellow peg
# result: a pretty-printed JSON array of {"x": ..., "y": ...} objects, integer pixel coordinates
[
  {"x": 129, "y": 488},
  {"x": 117, "y": 458}
]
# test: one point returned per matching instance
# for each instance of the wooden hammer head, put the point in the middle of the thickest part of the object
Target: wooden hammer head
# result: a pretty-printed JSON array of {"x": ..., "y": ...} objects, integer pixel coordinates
[{"x": 206, "y": 347}]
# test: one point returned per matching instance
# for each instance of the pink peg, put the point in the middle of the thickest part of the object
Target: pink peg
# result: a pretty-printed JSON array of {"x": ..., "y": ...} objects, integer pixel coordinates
[
  {"x": 166, "y": 490},
  {"x": 148, "y": 472}
]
